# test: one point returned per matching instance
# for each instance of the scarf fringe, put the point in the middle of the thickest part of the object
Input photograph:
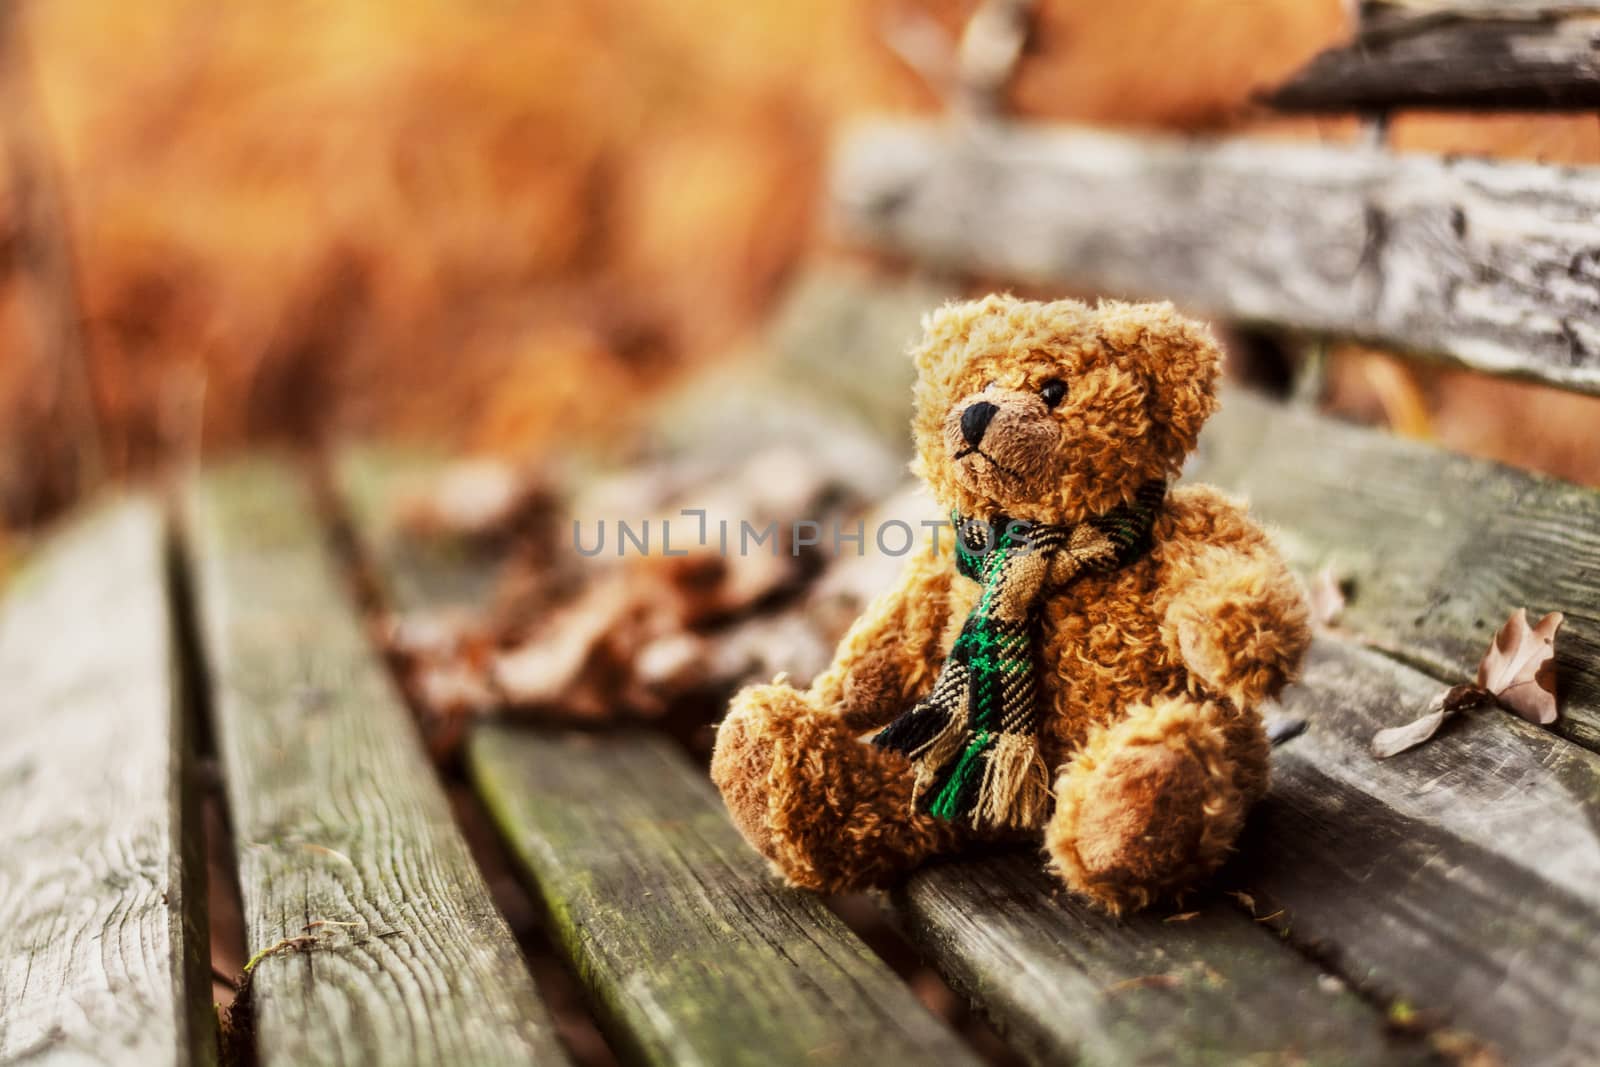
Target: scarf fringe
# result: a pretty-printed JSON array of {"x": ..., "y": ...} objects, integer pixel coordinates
[
  {"x": 943, "y": 749},
  {"x": 1015, "y": 793}
]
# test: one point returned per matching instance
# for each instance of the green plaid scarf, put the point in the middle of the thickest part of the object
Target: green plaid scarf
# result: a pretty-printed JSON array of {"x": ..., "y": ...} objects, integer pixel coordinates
[{"x": 974, "y": 739}]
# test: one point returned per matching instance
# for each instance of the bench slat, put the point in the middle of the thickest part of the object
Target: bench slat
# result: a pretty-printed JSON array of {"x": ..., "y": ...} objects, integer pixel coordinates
[
  {"x": 1474, "y": 55},
  {"x": 1460, "y": 876},
  {"x": 337, "y": 815},
  {"x": 1440, "y": 547},
  {"x": 102, "y": 929},
  {"x": 1487, "y": 264},
  {"x": 689, "y": 947},
  {"x": 1066, "y": 983}
]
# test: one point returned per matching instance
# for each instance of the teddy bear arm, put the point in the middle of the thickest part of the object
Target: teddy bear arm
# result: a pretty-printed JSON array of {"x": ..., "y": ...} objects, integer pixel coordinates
[
  {"x": 1238, "y": 620},
  {"x": 891, "y": 654}
]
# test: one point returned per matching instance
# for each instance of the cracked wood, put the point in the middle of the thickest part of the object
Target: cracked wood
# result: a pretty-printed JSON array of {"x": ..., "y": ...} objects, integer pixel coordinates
[{"x": 1491, "y": 265}]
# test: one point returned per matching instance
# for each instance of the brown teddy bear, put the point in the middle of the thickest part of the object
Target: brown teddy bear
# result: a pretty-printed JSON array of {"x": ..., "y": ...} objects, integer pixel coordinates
[{"x": 1080, "y": 616}]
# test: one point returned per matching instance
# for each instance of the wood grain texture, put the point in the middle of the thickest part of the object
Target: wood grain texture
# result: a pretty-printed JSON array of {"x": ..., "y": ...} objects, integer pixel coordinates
[
  {"x": 337, "y": 816},
  {"x": 102, "y": 932},
  {"x": 1197, "y": 984},
  {"x": 1459, "y": 878},
  {"x": 1475, "y": 56},
  {"x": 1492, "y": 265},
  {"x": 692, "y": 951},
  {"x": 1440, "y": 548}
]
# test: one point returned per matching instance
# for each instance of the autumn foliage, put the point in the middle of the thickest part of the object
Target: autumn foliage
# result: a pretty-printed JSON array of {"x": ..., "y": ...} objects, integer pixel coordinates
[{"x": 506, "y": 224}]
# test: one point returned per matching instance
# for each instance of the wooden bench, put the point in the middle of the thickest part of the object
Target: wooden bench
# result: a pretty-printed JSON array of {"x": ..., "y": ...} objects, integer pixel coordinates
[{"x": 1443, "y": 904}]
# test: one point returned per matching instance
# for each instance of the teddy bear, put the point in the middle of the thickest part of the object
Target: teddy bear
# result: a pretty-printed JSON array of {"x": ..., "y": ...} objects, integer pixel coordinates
[{"x": 1082, "y": 660}]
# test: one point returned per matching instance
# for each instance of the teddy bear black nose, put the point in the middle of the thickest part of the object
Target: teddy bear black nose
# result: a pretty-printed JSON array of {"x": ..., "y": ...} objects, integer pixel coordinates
[{"x": 975, "y": 420}]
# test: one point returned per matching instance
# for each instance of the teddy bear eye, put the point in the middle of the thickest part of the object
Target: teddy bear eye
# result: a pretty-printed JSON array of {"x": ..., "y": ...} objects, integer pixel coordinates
[{"x": 1053, "y": 392}]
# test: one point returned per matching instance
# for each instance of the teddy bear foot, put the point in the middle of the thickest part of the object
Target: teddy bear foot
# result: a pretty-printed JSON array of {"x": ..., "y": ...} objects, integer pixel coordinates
[
  {"x": 1154, "y": 803},
  {"x": 831, "y": 812}
]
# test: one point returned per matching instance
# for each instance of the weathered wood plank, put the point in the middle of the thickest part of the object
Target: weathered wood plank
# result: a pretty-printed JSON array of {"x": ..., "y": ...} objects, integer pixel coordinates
[
  {"x": 1440, "y": 548},
  {"x": 1492, "y": 265},
  {"x": 1068, "y": 984},
  {"x": 691, "y": 950},
  {"x": 337, "y": 816},
  {"x": 1501, "y": 54},
  {"x": 102, "y": 925},
  {"x": 1459, "y": 878}
]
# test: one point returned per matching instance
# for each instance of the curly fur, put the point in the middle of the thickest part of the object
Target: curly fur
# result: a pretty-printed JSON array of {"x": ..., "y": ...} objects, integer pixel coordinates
[{"x": 1153, "y": 674}]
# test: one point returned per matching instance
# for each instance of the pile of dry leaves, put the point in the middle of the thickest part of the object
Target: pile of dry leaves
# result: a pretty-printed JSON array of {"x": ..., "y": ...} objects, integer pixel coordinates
[{"x": 661, "y": 633}]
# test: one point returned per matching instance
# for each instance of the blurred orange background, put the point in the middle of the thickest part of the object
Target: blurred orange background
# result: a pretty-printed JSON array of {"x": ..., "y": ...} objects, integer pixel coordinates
[{"x": 504, "y": 225}]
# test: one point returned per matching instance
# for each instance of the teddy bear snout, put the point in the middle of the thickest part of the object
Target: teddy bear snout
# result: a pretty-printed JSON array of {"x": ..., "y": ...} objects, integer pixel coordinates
[{"x": 975, "y": 420}]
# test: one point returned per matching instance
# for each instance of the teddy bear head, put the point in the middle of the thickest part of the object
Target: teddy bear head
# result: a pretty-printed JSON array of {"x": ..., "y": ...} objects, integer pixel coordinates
[{"x": 1055, "y": 412}]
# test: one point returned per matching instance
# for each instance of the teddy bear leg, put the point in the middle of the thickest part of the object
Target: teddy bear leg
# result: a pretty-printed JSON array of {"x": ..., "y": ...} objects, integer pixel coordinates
[
  {"x": 832, "y": 812},
  {"x": 1154, "y": 802}
]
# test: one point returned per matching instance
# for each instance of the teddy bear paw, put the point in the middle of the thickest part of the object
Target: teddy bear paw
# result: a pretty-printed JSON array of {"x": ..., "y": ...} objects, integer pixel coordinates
[
  {"x": 1146, "y": 820},
  {"x": 742, "y": 761}
]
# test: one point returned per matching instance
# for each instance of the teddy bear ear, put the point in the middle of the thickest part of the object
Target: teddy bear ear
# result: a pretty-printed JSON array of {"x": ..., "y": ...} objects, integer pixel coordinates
[
  {"x": 1179, "y": 358},
  {"x": 946, "y": 330}
]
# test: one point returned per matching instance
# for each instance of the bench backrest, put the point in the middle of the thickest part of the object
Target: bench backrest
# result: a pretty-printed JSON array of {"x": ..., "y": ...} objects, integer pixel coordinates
[{"x": 1493, "y": 265}]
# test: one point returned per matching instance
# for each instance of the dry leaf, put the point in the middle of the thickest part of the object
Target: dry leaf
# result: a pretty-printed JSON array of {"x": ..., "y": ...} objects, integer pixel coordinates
[
  {"x": 1396, "y": 739},
  {"x": 1518, "y": 673},
  {"x": 539, "y": 671},
  {"x": 1519, "y": 668},
  {"x": 1326, "y": 597}
]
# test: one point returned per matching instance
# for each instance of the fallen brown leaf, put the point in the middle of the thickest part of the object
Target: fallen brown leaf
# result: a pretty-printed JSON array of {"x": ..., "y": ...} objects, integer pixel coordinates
[
  {"x": 539, "y": 671},
  {"x": 1518, "y": 673},
  {"x": 1520, "y": 669},
  {"x": 1397, "y": 739}
]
